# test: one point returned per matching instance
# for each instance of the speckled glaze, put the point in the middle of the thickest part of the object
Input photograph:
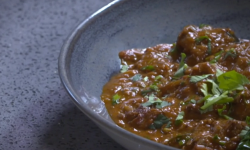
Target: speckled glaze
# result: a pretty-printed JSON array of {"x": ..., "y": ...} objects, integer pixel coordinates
[{"x": 90, "y": 55}]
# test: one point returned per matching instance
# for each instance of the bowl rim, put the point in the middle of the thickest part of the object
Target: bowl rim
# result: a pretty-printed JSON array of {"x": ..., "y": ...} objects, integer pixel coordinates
[{"x": 63, "y": 64}]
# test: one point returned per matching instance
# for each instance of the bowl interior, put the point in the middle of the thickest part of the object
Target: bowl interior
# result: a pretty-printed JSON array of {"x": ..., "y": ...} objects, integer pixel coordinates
[{"x": 90, "y": 56}]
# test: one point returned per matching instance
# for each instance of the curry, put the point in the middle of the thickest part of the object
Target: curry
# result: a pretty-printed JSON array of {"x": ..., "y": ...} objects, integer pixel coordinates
[{"x": 193, "y": 94}]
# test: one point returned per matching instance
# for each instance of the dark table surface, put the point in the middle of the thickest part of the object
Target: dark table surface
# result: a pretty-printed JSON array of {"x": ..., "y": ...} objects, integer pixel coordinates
[{"x": 36, "y": 113}]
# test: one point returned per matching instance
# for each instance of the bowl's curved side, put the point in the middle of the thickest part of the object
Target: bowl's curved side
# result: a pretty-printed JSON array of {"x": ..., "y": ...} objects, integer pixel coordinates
[
  {"x": 80, "y": 96},
  {"x": 89, "y": 56}
]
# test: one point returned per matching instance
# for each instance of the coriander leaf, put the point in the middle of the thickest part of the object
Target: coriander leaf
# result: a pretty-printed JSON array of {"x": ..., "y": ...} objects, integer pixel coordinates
[
  {"x": 220, "y": 111},
  {"x": 245, "y": 140},
  {"x": 145, "y": 78},
  {"x": 204, "y": 99},
  {"x": 193, "y": 101},
  {"x": 216, "y": 137},
  {"x": 146, "y": 104},
  {"x": 179, "y": 118},
  {"x": 173, "y": 49},
  {"x": 153, "y": 87},
  {"x": 219, "y": 99},
  {"x": 204, "y": 89},
  {"x": 202, "y": 25},
  {"x": 124, "y": 68},
  {"x": 231, "y": 53},
  {"x": 180, "y": 72},
  {"x": 218, "y": 72},
  {"x": 180, "y": 115},
  {"x": 162, "y": 104},
  {"x": 183, "y": 56},
  {"x": 222, "y": 142},
  {"x": 182, "y": 142},
  {"x": 159, "y": 121},
  {"x": 224, "y": 100},
  {"x": 232, "y": 80},
  {"x": 148, "y": 68},
  {"x": 199, "y": 78},
  {"x": 233, "y": 36},
  {"x": 158, "y": 77},
  {"x": 152, "y": 99},
  {"x": 216, "y": 57},
  {"x": 115, "y": 99},
  {"x": 209, "y": 46},
  {"x": 215, "y": 88},
  {"x": 136, "y": 77},
  {"x": 244, "y": 132},
  {"x": 210, "y": 108},
  {"x": 201, "y": 38}
]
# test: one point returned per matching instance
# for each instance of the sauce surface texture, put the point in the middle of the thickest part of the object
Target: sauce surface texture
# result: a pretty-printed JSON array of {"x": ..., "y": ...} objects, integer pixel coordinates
[{"x": 193, "y": 94}]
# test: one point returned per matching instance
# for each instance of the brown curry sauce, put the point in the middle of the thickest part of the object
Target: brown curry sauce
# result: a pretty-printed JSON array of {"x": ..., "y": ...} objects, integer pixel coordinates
[{"x": 150, "y": 99}]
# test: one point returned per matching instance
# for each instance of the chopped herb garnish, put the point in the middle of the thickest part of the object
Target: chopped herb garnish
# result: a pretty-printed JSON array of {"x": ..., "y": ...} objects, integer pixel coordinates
[
  {"x": 193, "y": 101},
  {"x": 208, "y": 109},
  {"x": 181, "y": 142},
  {"x": 158, "y": 77},
  {"x": 228, "y": 82},
  {"x": 244, "y": 132},
  {"x": 159, "y": 121},
  {"x": 124, "y": 68},
  {"x": 215, "y": 88},
  {"x": 145, "y": 92},
  {"x": 222, "y": 142},
  {"x": 216, "y": 137},
  {"x": 209, "y": 47},
  {"x": 199, "y": 78},
  {"x": 233, "y": 36},
  {"x": 162, "y": 104},
  {"x": 219, "y": 99},
  {"x": 149, "y": 68},
  {"x": 115, "y": 99},
  {"x": 245, "y": 139},
  {"x": 136, "y": 77},
  {"x": 180, "y": 72},
  {"x": 216, "y": 57},
  {"x": 202, "y": 25},
  {"x": 182, "y": 63},
  {"x": 218, "y": 72},
  {"x": 230, "y": 53},
  {"x": 173, "y": 49},
  {"x": 153, "y": 87},
  {"x": 220, "y": 112},
  {"x": 204, "y": 89},
  {"x": 152, "y": 99},
  {"x": 232, "y": 80},
  {"x": 179, "y": 118},
  {"x": 145, "y": 78}
]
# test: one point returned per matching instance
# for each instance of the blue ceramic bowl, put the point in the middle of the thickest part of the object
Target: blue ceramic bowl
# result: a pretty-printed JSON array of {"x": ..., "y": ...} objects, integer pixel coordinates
[{"x": 90, "y": 55}]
